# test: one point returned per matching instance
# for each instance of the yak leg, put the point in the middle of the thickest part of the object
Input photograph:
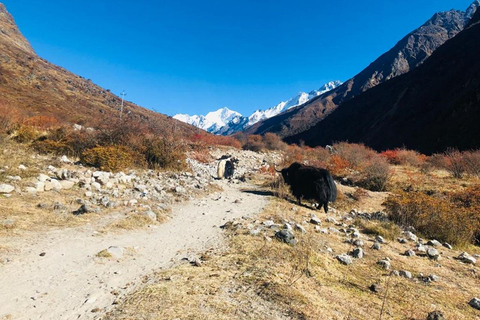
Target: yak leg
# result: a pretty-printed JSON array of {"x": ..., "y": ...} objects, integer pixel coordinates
[{"x": 325, "y": 207}]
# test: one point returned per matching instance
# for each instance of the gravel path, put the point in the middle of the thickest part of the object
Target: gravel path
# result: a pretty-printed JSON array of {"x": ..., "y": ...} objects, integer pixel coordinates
[{"x": 69, "y": 280}]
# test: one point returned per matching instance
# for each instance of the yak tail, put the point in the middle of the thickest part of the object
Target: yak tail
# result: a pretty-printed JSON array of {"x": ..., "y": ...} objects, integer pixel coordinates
[{"x": 332, "y": 188}]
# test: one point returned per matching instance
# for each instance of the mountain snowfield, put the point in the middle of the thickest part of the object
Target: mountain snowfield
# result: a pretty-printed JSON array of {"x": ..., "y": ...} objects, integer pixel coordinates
[{"x": 225, "y": 121}]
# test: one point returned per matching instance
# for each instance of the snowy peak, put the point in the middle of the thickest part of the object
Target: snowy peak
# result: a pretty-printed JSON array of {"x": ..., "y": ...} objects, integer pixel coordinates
[
  {"x": 212, "y": 122},
  {"x": 225, "y": 121}
]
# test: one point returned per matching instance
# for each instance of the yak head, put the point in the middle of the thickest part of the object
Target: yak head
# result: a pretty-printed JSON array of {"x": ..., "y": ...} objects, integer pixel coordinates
[{"x": 288, "y": 173}]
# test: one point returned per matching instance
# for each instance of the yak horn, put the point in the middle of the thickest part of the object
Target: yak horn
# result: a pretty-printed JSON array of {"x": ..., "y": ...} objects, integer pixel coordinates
[{"x": 275, "y": 167}]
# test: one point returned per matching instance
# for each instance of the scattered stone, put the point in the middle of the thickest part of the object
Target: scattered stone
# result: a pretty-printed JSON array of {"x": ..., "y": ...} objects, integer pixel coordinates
[
  {"x": 475, "y": 303},
  {"x": 405, "y": 274},
  {"x": 433, "y": 253},
  {"x": 96, "y": 186},
  {"x": 300, "y": 228},
  {"x": 409, "y": 253},
  {"x": 88, "y": 194},
  {"x": 63, "y": 174},
  {"x": 433, "y": 277},
  {"x": 43, "y": 177},
  {"x": 64, "y": 159},
  {"x": 85, "y": 208},
  {"x": 380, "y": 239},
  {"x": 42, "y": 254},
  {"x": 331, "y": 220},
  {"x": 402, "y": 240},
  {"x": 410, "y": 236},
  {"x": 39, "y": 186},
  {"x": 151, "y": 215},
  {"x": 13, "y": 178},
  {"x": 6, "y": 188},
  {"x": 268, "y": 223},
  {"x": 57, "y": 206},
  {"x": 384, "y": 264},
  {"x": 286, "y": 236},
  {"x": 31, "y": 190},
  {"x": 22, "y": 167},
  {"x": 67, "y": 184},
  {"x": 344, "y": 259},
  {"x": 421, "y": 248},
  {"x": 376, "y": 246},
  {"x": 395, "y": 273},
  {"x": 115, "y": 252},
  {"x": 447, "y": 245},
  {"x": 53, "y": 184},
  {"x": 333, "y": 230},
  {"x": 287, "y": 226},
  {"x": 358, "y": 243},
  {"x": 180, "y": 190},
  {"x": 466, "y": 258},
  {"x": 434, "y": 243},
  {"x": 435, "y": 315},
  {"x": 357, "y": 253},
  {"x": 376, "y": 287},
  {"x": 315, "y": 220}
]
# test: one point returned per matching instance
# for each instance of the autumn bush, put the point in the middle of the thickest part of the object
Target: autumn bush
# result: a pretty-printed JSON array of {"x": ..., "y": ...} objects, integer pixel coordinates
[
  {"x": 53, "y": 147},
  {"x": 447, "y": 218},
  {"x": 165, "y": 153},
  {"x": 109, "y": 158},
  {"x": 273, "y": 142},
  {"x": 404, "y": 157},
  {"x": 207, "y": 139},
  {"x": 27, "y": 134},
  {"x": 376, "y": 174},
  {"x": 41, "y": 122},
  {"x": 472, "y": 162},
  {"x": 356, "y": 154},
  {"x": 254, "y": 143}
]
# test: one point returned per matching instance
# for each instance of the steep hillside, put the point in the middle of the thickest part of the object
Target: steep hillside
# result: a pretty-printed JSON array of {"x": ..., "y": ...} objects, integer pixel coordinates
[
  {"x": 429, "y": 109},
  {"x": 407, "y": 54},
  {"x": 32, "y": 86}
]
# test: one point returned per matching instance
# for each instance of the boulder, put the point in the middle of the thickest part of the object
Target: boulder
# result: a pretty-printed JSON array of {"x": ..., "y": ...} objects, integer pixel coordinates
[
  {"x": 475, "y": 303},
  {"x": 286, "y": 236},
  {"x": 344, "y": 259},
  {"x": 6, "y": 188}
]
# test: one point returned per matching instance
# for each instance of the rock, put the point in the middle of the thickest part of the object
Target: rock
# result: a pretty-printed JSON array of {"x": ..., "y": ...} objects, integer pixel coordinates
[
  {"x": 421, "y": 248},
  {"x": 6, "y": 188},
  {"x": 402, "y": 240},
  {"x": 357, "y": 253},
  {"x": 344, "y": 259},
  {"x": 57, "y": 206},
  {"x": 300, "y": 228},
  {"x": 433, "y": 253},
  {"x": 115, "y": 252},
  {"x": 31, "y": 190},
  {"x": 96, "y": 186},
  {"x": 287, "y": 226},
  {"x": 435, "y": 315},
  {"x": 380, "y": 239},
  {"x": 475, "y": 303},
  {"x": 358, "y": 243},
  {"x": 376, "y": 246},
  {"x": 286, "y": 236},
  {"x": 447, "y": 245},
  {"x": 409, "y": 253},
  {"x": 433, "y": 277},
  {"x": 315, "y": 220},
  {"x": 180, "y": 190},
  {"x": 376, "y": 287},
  {"x": 466, "y": 258},
  {"x": 39, "y": 186},
  {"x": 67, "y": 184},
  {"x": 410, "y": 236},
  {"x": 140, "y": 187},
  {"x": 331, "y": 220},
  {"x": 22, "y": 167},
  {"x": 53, "y": 184},
  {"x": 104, "y": 201},
  {"x": 434, "y": 243},
  {"x": 333, "y": 230},
  {"x": 85, "y": 208},
  {"x": 151, "y": 215},
  {"x": 395, "y": 273},
  {"x": 268, "y": 223},
  {"x": 43, "y": 177},
  {"x": 405, "y": 274},
  {"x": 63, "y": 174},
  {"x": 64, "y": 159},
  {"x": 13, "y": 178},
  {"x": 384, "y": 264},
  {"x": 88, "y": 194}
]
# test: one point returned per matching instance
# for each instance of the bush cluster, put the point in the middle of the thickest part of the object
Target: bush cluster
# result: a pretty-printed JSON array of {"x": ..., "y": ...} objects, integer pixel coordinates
[
  {"x": 453, "y": 218},
  {"x": 109, "y": 158}
]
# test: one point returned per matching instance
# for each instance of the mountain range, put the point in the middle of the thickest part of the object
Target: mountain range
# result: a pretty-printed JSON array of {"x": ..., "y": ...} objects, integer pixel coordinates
[
  {"x": 429, "y": 109},
  {"x": 409, "y": 53},
  {"x": 225, "y": 121}
]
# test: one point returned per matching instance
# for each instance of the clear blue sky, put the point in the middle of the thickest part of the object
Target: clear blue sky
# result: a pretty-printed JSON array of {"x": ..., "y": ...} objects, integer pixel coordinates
[{"x": 197, "y": 56}]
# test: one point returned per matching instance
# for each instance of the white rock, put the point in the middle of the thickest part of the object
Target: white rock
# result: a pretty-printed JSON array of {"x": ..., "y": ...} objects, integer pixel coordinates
[
  {"x": 39, "y": 186},
  {"x": 22, "y": 167},
  {"x": 31, "y": 190},
  {"x": 6, "y": 188},
  {"x": 43, "y": 177},
  {"x": 96, "y": 186},
  {"x": 67, "y": 184}
]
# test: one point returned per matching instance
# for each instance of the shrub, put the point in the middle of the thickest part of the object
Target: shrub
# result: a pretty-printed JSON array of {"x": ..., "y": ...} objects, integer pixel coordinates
[
  {"x": 41, "y": 122},
  {"x": 54, "y": 147},
  {"x": 472, "y": 162},
  {"x": 165, "y": 153},
  {"x": 376, "y": 174},
  {"x": 455, "y": 163},
  {"x": 254, "y": 143},
  {"x": 338, "y": 166},
  {"x": 355, "y": 154},
  {"x": 273, "y": 142},
  {"x": 434, "y": 216},
  {"x": 404, "y": 157},
  {"x": 27, "y": 134},
  {"x": 109, "y": 158}
]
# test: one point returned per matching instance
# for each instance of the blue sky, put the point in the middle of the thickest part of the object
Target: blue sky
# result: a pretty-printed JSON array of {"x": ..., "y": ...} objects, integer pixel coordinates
[{"x": 197, "y": 56}]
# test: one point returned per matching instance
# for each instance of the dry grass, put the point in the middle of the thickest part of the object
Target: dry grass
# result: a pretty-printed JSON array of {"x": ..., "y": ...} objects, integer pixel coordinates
[
  {"x": 259, "y": 279},
  {"x": 131, "y": 222}
]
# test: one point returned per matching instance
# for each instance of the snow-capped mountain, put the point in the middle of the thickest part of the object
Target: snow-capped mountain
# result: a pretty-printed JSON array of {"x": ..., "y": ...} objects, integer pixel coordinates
[
  {"x": 212, "y": 122},
  {"x": 225, "y": 121}
]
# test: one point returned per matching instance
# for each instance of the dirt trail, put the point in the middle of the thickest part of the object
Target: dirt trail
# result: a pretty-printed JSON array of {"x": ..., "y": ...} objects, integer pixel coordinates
[{"x": 69, "y": 281}]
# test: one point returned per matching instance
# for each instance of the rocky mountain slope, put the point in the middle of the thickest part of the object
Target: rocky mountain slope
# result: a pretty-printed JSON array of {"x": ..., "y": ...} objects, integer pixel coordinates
[
  {"x": 429, "y": 109},
  {"x": 407, "y": 54},
  {"x": 30, "y": 85}
]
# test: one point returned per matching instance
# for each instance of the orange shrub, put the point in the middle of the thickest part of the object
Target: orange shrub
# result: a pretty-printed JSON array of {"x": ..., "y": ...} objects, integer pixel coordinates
[
  {"x": 254, "y": 143},
  {"x": 404, "y": 157},
  {"x": 41, "y": 121},
  {"x": 356, "y": 154},
  {"x": 216, "y": 140},
  {"x": 273, "y": 142},
  {"x": 338, "y": 166},
  {"x": 109, "y": 158}
]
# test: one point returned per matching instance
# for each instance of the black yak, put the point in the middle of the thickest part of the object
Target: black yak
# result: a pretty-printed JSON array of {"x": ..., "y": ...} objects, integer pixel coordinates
[{"x": 310, "y": 183}]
